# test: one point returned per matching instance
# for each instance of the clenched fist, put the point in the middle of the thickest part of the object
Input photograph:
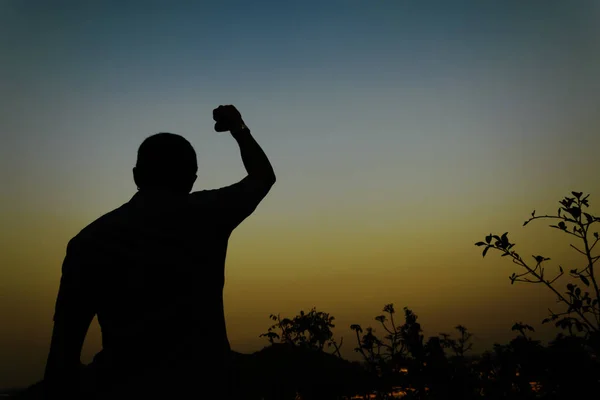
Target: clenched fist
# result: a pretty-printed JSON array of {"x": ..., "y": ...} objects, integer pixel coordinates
[{"x": 228, "y": 118}]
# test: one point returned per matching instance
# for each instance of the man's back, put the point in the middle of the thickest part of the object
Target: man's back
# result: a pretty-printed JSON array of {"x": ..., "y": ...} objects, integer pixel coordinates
[{"x": 154, "y": 268}]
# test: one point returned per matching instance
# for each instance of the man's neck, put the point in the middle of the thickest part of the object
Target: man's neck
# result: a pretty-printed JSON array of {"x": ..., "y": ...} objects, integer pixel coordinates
[{"x": 152, "y": 194}]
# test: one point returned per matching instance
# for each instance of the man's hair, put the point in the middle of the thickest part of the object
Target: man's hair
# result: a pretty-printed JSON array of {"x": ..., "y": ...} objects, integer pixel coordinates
[{"x": 166, "y": 161}]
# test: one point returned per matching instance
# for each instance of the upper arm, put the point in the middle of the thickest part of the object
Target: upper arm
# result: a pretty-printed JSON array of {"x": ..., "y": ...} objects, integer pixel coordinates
[
  {"x": 232, "y": 204},
  {"x": 75, "y": 294},
  {"x": 75, "y": 305}
]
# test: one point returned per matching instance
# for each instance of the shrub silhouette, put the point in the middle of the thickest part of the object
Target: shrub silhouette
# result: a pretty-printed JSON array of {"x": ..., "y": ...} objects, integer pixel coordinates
[
  {"x": 311, "y": 330},
  {"x": 404, "y": 362},
  {"x": 296, "y": 361}
]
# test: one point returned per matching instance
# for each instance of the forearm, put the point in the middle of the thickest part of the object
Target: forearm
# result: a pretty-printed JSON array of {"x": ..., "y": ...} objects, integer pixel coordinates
[
  {"x": 254, "y": 158},
  {"x": 72, "y": 318},
  {"x": 64, "y": 356},
  {"x": 62, "y": 373}
]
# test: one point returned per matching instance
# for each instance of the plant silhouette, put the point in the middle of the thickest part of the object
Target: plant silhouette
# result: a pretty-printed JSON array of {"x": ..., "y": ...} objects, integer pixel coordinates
[
  {"x": 311, "y": 330},
  {"x": 581, "y": 303}
]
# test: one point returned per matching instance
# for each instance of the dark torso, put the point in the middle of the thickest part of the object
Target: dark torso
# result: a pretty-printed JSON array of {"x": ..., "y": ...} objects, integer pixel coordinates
[
  {"x": 153, "y": 273},
  {"x": 156, "y": 268}
]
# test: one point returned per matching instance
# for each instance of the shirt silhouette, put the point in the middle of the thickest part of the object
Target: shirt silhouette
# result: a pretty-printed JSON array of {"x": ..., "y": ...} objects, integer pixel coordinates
[{"x": 153, "y": 271}]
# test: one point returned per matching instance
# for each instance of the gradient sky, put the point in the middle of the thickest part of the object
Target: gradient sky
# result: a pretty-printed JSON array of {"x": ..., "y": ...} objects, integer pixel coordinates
[{"x": 401, "y": 133}]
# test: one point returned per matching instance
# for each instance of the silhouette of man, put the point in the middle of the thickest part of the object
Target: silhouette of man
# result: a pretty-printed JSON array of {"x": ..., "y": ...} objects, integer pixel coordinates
[{"x": 153, "y": 272}]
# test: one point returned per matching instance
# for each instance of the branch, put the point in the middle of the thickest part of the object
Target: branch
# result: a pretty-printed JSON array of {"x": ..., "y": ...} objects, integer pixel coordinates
[
  {"x": 577, "y": 249},
  {"x": 392, "y": 321},
  {"x": 386, "y": 328},
  {"x": 561, "y": 217},
  {"x": 594, "y": 244},
  {"x": 519, "y": 261},
  {"x": 592, "y": 275},
  {"x": 527, "y": 280},
  {"x": 557, "y": 276}
]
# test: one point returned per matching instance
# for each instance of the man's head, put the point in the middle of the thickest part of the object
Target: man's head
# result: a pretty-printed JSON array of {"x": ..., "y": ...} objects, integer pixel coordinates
[{"x": 165, "y": 163}]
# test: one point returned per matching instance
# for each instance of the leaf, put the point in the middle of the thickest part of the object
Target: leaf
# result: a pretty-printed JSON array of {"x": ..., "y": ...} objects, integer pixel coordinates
[
  {"x": 561, "y": 269},
  {"x": 525, "y": 223},
  {"x": 575, "y": 212},
  {"x": 596, "y": 235},
  {"x": 577, "y": 194},
  {"x": 480, "y": 244},
  {"x": 533, "y": 213},
  {"x": 584, "y": 280},
  {"x": 589, "y": 218},
  {"x": 504, "y": 239},
  {"x": 485, "y": 251},
  {"x": 562, "y": 225},
  {"x": 488, "y": 238}
]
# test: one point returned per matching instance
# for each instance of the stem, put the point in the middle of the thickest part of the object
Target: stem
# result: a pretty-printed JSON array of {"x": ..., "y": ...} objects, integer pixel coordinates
[
  {"x": 591, "y": 268},
  {"x": 360, "y": 349},
  {"x": 394, "y": 335}
]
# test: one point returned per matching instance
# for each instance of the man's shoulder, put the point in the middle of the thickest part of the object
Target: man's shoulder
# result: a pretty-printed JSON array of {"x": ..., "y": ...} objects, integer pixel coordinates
[
  {"x": 206, "y": 197},
  {"x": 205, "y": 194},
  {"x": 100, "y": 226},
  {"x": 244, "y": 188}
]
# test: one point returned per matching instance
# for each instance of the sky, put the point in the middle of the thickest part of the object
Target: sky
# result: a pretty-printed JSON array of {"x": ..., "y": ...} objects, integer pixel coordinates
[{"x": 401, "y": 133}]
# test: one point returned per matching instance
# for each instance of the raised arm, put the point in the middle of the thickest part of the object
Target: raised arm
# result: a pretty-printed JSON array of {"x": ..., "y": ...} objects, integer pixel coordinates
[
  {"x": 239, "y": 200},
  {"x": 255, "y": 160}
]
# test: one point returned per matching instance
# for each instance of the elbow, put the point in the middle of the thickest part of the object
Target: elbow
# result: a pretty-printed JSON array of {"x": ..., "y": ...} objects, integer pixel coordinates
[
  {"x": 263, "y": 178},
  {"x": 269, "y": 177}
]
